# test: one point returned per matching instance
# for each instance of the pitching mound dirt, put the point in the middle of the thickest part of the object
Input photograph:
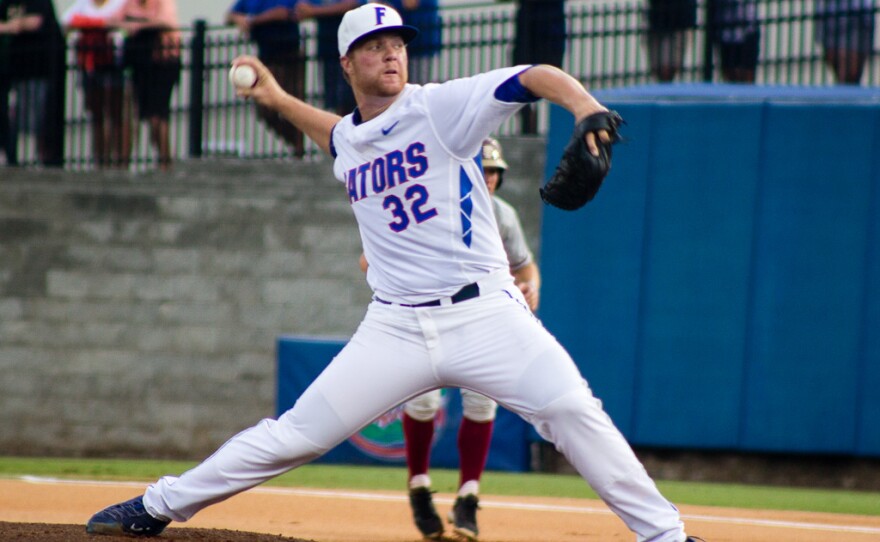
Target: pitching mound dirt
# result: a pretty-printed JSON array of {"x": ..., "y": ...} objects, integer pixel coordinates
[{"x": 46, "y": 532}]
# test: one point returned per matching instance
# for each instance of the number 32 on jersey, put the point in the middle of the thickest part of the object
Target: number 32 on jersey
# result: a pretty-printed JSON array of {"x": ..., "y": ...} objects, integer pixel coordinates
[{"x": 385, "y": 172}]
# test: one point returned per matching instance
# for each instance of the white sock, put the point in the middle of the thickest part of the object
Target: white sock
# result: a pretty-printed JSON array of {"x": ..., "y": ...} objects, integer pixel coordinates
[
  {"x": 471, "y": 487},
  {"x": 420, "y": 480}
]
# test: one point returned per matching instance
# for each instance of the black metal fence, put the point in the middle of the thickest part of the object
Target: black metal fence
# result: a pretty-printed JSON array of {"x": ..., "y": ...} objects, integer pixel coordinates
[{"x": 607, "y": 44}]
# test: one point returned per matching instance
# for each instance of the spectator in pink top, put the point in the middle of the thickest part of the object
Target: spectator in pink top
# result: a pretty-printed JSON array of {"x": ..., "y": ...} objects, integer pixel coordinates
[{"x": 152, "y": 52}]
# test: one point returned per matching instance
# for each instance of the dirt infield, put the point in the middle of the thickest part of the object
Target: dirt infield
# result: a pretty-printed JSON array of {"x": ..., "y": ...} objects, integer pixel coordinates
[
  {"x": 55, "y": 511},
  {"x": 54, "y": 532}
]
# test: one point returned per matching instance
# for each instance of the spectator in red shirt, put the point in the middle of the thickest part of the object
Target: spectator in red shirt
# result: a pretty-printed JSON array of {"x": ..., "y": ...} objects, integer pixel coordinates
[{"x": 101, "y": 76}]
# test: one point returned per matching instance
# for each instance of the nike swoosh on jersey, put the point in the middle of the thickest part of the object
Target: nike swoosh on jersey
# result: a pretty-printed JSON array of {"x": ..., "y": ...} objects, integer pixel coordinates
[{"x": 386, "y": 131}]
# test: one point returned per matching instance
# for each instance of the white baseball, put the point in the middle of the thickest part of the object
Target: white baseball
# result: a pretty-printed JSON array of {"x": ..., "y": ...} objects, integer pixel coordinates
[{"x": 243, "y": 76}]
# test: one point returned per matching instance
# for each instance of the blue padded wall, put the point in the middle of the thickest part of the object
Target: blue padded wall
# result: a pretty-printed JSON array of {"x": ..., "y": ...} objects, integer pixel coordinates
[
  {"x": 868, "y": 430},
  {"x": 722, "y": 289},
  {"x": 810, "y": 265}
]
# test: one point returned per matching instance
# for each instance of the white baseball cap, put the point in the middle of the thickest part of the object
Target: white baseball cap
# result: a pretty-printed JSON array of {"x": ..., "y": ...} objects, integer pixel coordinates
[{"x": 368, "y": 19}]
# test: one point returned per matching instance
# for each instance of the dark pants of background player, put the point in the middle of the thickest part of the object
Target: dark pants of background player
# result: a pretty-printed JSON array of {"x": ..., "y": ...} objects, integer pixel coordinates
[
  {"x": 736, "y": 35},
  {"x": 106, "y": 100},
  {"x": 154, "y": 73},
  {"x": 845, "y": 30},
  {"x": 48, "y": 124},
  {"x": 739, "y": 57},
  {"x": 669, "y": 24},
  {"x": 338, "y": 96},
  {"x": 153, "y": 84},
  {"x": 540, "y": 39},
  {"x": 289, "y": 70},
  {"x": 7, "y": 142}
]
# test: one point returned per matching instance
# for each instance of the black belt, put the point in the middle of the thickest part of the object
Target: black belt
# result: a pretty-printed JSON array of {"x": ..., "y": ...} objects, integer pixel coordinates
[{"x": 470, "y": 291}]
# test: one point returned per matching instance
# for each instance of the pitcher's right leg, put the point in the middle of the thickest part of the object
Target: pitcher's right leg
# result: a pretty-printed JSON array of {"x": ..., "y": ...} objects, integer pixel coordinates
[{"x": 583, "y": 432}]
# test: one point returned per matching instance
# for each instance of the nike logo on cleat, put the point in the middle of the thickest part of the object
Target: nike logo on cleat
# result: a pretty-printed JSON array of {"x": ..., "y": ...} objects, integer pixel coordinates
[
  {"x": 386, "y": 131},
  {"x": 135, "y": 529}
]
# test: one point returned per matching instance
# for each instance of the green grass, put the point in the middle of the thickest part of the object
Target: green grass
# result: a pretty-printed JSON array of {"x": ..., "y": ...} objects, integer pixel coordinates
[{"x": 494, "y": 483}]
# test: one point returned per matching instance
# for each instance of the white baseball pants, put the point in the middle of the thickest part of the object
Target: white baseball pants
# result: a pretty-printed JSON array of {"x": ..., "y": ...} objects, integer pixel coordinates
[{"x": 491, "y": 344}]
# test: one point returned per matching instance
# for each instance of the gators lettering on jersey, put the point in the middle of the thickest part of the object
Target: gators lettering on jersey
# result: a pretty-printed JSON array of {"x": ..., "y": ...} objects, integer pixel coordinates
[
  {"x": 424, "y": 212},
  {"x": 387, "y": 171}
]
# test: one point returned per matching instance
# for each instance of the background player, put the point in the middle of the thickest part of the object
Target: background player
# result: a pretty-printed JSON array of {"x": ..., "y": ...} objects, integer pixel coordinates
[{"x": 445, "y": 311}]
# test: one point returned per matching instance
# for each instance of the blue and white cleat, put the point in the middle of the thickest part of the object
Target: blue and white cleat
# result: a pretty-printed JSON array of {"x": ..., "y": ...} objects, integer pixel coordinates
[{"x": 126, "y": 518}]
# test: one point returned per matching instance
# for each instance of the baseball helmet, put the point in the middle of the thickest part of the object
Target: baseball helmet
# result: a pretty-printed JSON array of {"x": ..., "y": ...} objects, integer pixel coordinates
[{"x": 493, "y": 158}]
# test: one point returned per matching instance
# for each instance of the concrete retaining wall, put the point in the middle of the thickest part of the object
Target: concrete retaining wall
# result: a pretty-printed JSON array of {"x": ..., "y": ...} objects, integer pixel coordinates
[{"x": 138, "y": 312}]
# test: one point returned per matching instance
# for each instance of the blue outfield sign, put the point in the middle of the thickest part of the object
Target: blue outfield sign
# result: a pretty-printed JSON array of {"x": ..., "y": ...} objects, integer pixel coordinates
[{"x": 301, "y": 359}]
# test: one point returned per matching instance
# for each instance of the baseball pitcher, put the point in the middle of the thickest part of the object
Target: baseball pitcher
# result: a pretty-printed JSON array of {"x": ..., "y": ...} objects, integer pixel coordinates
[{"x": 445, "y": 309}]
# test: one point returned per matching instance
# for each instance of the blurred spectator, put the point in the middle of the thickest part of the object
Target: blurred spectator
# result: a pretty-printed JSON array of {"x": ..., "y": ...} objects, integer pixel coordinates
[
  {"x": 424, "y": 15},
  {"x": 845, "y": 30},
  {"x": 152, "y": 52},
  {"x": 338, "y": 96},
  {"x": 736, "y": 35},
  {"x": 670, "y": 25},
  {"x": 101, "y": 77},
  {"x": 35, "y": 75},
  {"x": 271, "y": 25},
  {"x": 540, "y": 39}
]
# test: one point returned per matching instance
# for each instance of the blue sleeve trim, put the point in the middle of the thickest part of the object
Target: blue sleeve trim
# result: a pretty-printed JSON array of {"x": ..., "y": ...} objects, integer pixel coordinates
[
  {"x": 332, "y": 147},
  {"x": 513, "y": 90}
]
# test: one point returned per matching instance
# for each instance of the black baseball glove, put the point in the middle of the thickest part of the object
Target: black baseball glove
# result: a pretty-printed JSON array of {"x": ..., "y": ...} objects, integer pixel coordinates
[{"x": 580, "y": 174}]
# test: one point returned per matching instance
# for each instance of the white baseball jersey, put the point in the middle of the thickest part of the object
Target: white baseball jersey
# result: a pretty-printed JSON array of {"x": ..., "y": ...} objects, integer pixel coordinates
[
  {"x": 512, "y": 237},
  {"x": 418, "y": 194}
]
